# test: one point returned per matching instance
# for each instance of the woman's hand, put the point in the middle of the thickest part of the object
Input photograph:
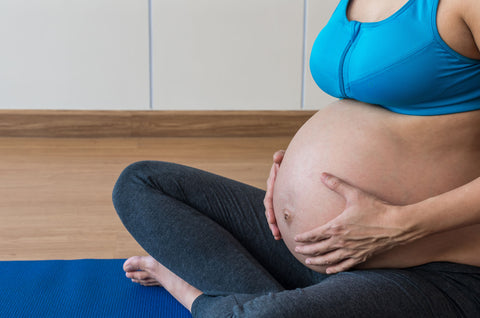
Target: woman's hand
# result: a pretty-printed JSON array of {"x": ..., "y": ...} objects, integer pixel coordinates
[
  {"x": 268, "y": 201},
  {"x": 366, "y": 227}
]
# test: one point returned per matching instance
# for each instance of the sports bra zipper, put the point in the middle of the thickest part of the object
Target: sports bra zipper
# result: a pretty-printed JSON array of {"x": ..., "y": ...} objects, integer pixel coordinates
[{"x": 356, "y": 29}]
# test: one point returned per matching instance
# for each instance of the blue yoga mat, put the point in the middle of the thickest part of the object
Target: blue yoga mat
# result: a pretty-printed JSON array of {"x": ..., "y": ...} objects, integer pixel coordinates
[{"x": 79, "y": 288}]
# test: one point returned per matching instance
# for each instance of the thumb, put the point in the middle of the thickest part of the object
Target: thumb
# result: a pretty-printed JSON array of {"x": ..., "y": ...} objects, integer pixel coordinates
[
  {"x": 278, "y": 156},
  {"x": 347, "y": 191}
]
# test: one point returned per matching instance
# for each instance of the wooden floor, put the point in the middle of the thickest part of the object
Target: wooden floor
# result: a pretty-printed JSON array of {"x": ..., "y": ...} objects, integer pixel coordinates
[{"x": 55, "y": 193}]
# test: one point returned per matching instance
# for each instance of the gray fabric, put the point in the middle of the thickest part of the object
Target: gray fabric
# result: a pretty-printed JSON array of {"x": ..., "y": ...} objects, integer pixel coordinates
[{"x": 212, "y": 232}]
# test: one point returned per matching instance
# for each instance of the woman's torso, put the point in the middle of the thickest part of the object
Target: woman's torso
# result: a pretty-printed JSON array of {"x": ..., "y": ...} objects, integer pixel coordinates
[{"x": 401, "y": 159}]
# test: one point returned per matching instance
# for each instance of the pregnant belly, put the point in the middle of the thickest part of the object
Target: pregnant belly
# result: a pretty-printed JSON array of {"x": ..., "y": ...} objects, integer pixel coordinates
[{"x": 356, "y": 143}]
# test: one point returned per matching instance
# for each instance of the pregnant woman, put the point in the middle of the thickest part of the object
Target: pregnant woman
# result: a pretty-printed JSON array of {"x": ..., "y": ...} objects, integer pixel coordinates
[{"x": 375, "y": 205}]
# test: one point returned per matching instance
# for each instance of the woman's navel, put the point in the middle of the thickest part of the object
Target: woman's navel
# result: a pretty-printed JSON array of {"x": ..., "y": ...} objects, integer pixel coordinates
[{"x": 287, "y": 215}]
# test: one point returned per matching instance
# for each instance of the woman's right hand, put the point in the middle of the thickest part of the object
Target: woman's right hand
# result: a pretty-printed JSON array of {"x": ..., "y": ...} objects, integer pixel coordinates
[{"x": 268, "y": 201}]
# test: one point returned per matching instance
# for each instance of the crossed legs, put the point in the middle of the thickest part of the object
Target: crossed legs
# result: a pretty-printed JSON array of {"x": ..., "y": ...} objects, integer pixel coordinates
[{"x": 211, "y": 247}]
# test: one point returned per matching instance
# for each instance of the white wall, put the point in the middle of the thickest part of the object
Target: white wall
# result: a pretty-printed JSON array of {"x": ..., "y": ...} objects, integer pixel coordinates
[
  {"x": 159, "y": 54},
  {"x": 318, "y": 13}
]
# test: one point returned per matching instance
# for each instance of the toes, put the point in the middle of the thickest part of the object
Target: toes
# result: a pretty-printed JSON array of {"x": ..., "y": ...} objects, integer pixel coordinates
[
  {"x": 146, "y": 282},
  {"x": 137, "y": 263},
  {"x": 133, "y": 264},
  {"x": 141, "y": 270},
  {"x": 139, "y": 275},
  {"x": 151, "y": 284}
]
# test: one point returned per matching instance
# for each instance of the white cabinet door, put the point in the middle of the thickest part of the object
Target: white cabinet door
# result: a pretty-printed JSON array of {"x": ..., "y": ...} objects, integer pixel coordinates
[
  {"x": 227, "y": 54},
  {"x": 74, "y": 54}
]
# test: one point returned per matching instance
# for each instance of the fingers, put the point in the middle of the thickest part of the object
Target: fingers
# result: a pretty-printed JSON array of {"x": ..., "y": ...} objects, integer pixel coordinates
[
  {"x": 272, "y": 224},
  {"x": 318, "y": 234},
  {"x": 268, "y": 203},
  {"x": 334, "y": 257},
  {"x": 271, "y": 179},
  {"x": 275, "y": 231},
  {"x": 278, "y": 156},
  {"x": 269, "y": 213},
  {"x": 342, "y": 266},
  {"x": 341, "y": 187},
  {"x": 268, "y": 200},
  {"x": 314, "y": 249},
  {"x": 337, "y": 261}
]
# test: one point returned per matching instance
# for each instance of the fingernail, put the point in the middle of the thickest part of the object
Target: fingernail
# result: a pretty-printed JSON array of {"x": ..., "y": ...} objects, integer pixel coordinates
[{"x": 308, "y": 261}]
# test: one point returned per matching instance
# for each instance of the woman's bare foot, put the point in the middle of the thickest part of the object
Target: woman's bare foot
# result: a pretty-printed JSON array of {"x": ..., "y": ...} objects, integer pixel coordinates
[
  {"x": 142, "y": 270},
  {"x": 146, "y": 271}
]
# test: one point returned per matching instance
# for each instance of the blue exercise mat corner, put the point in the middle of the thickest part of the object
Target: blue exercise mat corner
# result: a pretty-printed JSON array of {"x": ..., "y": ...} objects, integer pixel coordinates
[{"x": 79, "y": 288}]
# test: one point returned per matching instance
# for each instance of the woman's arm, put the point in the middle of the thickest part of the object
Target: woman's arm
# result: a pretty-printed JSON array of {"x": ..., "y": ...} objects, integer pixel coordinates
[
  {"x": 451, "y": 210},
  {"x": 369, "y": 226}
]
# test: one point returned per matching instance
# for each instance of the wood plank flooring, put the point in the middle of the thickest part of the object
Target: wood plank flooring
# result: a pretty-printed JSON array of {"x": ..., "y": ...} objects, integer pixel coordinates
[{"x": 55, "y": 193}]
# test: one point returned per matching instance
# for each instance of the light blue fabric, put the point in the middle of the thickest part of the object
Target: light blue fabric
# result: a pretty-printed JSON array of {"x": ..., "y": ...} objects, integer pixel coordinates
[{"x": 400, "y": 63}]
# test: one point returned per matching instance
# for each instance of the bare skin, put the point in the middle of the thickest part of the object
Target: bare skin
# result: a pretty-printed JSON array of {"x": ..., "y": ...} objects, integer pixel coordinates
[
  {"x": 459, "y": 26},
  {"x": 458, "y": 23},
  {"x": 455, "y": 19},
  {"x": 145, "y": 270},
  {"x": 398, "y": 158},
  {"x": 460, "y": 29}
]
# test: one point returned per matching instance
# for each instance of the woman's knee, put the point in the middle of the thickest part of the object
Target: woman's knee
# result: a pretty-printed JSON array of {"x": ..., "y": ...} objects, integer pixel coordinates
[{"x": 131, "y": 178}]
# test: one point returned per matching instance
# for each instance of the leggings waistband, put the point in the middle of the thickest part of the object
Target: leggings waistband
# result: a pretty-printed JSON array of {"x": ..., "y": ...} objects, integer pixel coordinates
[{"x": 449, "y": 267}]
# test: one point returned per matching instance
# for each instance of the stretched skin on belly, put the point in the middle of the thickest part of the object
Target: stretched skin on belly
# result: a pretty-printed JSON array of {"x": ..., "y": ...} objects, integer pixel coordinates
[{"x": 356, "y": 143}]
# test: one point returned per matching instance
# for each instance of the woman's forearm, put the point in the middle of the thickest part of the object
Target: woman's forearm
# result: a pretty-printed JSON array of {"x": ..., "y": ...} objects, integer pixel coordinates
[
  {"x": 442, "y": 228},
  {"x": 454, "y": 209}
]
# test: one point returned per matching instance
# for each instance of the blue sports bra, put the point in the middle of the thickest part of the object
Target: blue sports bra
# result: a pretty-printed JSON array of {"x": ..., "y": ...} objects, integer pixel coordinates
[{"x": 400, "y": 63}]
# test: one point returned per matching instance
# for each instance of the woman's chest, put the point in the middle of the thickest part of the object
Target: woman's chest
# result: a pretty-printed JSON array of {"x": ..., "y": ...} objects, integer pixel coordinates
[
  {"x": 401, "y": 63},
  {"x": 450, "y": 23}
]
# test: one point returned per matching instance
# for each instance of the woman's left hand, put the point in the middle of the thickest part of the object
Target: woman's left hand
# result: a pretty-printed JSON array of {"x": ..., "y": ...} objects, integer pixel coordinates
[{"x": 366, "y": 227}]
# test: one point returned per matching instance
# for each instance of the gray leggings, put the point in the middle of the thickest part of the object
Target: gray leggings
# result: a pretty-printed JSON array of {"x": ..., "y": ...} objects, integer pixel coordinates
[{"x": 212, "y": 232}]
